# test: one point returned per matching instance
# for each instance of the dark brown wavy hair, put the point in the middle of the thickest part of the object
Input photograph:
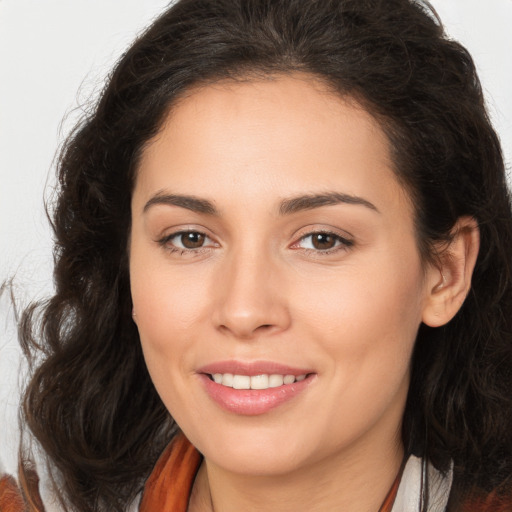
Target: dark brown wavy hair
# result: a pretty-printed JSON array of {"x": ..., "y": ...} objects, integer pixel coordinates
[{"x": 91, "y": 404}]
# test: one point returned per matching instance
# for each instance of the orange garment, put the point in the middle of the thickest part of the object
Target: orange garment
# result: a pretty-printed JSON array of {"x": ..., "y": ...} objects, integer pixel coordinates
[
  {"x": 170, "y": 483},
  {"x": 167, "y": 488},
  {"x": 10, "y": 497}
]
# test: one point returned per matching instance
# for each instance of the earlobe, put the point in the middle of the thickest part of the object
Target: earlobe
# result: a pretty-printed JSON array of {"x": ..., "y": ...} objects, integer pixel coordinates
[{"x": 449, "y": 282}]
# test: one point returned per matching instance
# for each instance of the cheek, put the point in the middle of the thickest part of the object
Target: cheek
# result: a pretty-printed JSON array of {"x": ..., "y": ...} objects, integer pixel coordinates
[
  {"x": 367, "y": 321},
  {"x": 166, "y": 302},
  {"x": 167, "y": 307}
]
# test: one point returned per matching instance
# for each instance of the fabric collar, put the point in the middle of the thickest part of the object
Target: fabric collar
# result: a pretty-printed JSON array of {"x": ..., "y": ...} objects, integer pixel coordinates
[
  {"x": 170, "y": 483},
  {"x": 410, "y": 491}
]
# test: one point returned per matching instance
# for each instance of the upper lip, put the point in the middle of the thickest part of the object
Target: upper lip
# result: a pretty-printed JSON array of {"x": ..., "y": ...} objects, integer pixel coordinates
[{"x": 252, "y": 368}]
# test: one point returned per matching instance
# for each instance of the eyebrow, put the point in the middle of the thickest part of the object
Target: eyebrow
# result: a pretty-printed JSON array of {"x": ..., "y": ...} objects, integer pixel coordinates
[
  {"x": 183, "y": 201},
  {"x": 310, "y": 201},
  {"x": 286, "y": 207}
]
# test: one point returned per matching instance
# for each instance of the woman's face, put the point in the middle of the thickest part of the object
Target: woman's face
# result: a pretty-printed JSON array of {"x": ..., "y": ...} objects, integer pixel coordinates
[{"x": 271, "y": 241}]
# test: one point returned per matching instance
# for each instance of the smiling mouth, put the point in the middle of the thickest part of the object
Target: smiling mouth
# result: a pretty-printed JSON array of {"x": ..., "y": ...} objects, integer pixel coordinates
[
  {"x": 250, "y": 389},
  {"x": 263, "y": 381}
]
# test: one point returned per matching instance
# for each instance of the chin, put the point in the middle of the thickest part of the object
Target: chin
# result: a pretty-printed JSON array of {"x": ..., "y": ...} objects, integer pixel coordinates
[{"x": 258, "y": 451}]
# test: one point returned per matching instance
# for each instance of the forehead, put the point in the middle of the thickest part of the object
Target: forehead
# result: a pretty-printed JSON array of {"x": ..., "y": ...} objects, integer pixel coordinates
[{"x": 284, "y": 133}]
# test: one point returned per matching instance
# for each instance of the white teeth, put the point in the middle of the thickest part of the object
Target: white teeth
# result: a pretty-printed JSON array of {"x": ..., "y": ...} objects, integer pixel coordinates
[
  {"x": 274, "y": 381},
  {"x": 256, "y": 381},
  {"x": 259, "y": 382},
  {"x": 227, "y": 380},
  {"x": 241, "y": 382}
]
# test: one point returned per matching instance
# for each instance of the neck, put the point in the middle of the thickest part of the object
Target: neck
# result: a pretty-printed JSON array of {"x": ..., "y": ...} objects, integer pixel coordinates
[{"x": 356, "y": 482}]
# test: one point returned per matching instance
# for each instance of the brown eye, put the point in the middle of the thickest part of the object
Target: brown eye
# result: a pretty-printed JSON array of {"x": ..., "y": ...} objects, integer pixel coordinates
[
  {"x": 187, "y": 242},
  {"x": 192, "y": 239},
  {"x": 323, "y": 241}
]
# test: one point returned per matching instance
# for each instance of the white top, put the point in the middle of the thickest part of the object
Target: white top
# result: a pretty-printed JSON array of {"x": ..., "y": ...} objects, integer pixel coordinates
[{"x": 409, "y": 492}]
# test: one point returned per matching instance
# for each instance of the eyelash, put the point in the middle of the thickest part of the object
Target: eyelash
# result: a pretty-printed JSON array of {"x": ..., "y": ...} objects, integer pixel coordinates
[
  {"x": 166, "y": 243},
  {"x": 342, "y": 243}
]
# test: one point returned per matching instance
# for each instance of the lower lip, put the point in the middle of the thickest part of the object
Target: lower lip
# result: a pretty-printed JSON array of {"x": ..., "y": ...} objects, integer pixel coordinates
[{"x": 251, "y": 402}]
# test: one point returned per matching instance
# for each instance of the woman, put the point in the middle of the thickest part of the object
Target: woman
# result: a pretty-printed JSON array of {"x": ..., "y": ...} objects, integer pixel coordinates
[{"x": 284, "y": 233}]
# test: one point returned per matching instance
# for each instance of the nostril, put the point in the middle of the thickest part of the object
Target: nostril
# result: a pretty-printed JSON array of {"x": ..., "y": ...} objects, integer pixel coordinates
[
  {"x": 264, "y": 327},
  {"x": 244, "y": 332}
]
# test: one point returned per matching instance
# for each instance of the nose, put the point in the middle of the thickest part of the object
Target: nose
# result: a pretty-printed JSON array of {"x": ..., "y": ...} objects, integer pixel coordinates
[{"x": 251, "y": 297}]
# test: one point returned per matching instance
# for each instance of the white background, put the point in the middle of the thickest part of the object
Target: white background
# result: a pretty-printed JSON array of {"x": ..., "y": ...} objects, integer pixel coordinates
[{"x": 54, "y": 55}]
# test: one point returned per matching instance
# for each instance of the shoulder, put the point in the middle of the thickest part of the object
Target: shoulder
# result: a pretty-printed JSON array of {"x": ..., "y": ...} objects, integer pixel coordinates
[
  {"x": 492, "y": 502},
  {"x": 11, "y": 499},
  {"x": 10, "y": 359},
  {"x": 11, "y": 496}
]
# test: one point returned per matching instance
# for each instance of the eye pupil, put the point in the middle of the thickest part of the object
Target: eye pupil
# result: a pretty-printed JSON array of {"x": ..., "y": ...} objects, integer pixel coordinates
[
  {"x": 192, "y": 240},
  {"x": 323, "y": 241}
]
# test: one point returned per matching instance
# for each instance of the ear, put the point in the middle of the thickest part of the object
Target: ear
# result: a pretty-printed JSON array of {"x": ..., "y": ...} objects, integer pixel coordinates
[{"x": 449, "y": 281}]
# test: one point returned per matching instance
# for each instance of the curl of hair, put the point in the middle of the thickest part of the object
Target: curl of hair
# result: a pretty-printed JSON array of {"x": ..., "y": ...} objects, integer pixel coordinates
[{"x": 91, "y": 403}]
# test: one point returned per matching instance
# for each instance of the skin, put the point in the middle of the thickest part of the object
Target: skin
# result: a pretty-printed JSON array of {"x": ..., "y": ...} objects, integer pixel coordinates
[{"x": 259, "y": 289}]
